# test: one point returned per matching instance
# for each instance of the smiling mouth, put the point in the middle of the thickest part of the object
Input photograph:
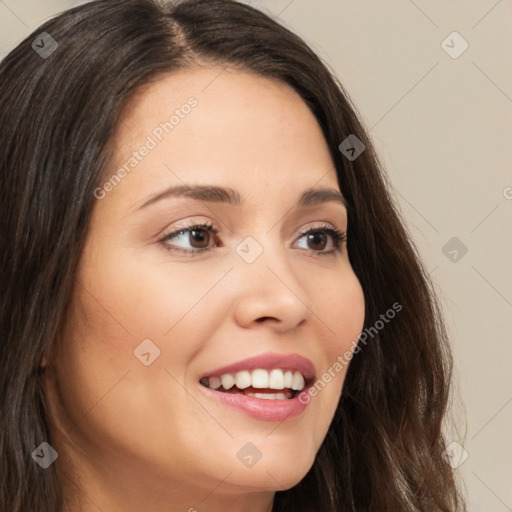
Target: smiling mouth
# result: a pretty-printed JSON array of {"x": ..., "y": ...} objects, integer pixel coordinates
[{"x": 274, "y": 384}]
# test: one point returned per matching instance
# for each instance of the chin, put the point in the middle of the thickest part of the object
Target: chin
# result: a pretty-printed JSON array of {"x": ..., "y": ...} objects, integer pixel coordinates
[{"x": 274, "y": 474}]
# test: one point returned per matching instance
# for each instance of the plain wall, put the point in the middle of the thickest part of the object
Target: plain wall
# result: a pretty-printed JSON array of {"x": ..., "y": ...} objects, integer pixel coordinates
[{"x": 443, "y": 129}]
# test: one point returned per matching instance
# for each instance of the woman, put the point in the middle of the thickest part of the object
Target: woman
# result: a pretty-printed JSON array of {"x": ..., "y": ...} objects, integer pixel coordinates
[{"x": 210, "y": 301}]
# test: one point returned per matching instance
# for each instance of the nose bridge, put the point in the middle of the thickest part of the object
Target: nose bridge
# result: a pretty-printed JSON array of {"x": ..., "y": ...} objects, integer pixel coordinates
[
  {"x": 269, "y": 286},
  {"x": 262, "y": 250}
]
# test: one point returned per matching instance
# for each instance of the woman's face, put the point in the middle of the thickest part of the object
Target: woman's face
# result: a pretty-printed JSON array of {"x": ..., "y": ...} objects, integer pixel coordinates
[{"x": 156, "y": 317}]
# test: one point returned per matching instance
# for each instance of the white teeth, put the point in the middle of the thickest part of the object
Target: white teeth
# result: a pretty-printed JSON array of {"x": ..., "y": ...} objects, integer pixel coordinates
[
  {"x": 214, "y": 382},
  {"x": 243, "y": 379},
  {"x": 228, "y": 381},
  {"x": 276, "y": 379},
  {"x": 259, "y": 378},
  {"x": 298, "y": 381},
  {"x": 288, "y": 379}
]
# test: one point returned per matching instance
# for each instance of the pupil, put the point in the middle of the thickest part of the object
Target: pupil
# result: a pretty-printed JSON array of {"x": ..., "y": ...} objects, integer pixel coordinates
[{"x": 322, "y": 237}]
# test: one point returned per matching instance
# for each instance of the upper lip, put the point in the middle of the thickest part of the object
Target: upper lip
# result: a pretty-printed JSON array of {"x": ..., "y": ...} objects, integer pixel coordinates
[{"x": 268, "y": 362}]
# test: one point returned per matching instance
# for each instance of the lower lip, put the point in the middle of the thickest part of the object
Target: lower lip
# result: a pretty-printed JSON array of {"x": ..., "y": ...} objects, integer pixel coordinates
[{"x": 260, "y": 408}]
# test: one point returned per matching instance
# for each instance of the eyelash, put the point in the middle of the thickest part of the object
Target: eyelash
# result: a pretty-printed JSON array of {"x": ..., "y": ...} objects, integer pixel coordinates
[{"x": 337, "y": 236}]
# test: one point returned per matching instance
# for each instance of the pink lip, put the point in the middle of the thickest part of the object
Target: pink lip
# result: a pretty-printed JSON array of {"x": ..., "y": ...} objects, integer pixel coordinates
[
  {"x": 268, "y": 362},
  {"x": 259, "y": 408}
]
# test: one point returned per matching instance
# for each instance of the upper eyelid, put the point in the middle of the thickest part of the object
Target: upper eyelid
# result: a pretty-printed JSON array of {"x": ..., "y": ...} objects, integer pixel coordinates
[
  {"x": 337, "y": 211},
  {"x": 322, "y": 224}
]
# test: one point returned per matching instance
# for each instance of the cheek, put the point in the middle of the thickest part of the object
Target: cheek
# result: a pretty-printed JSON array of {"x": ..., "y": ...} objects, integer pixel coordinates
[
  {"x": 107, "y": 398},
  {"x": 341, "y": 308},
  {"x": 152, "y": 293}
]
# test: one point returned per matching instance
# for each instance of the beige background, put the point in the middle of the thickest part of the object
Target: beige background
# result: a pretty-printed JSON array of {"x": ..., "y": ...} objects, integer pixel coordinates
[{"x": 443, "y": 128}]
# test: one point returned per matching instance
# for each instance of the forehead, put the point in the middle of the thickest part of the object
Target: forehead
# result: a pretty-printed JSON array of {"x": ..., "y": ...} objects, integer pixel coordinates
[
  {"x": 244, "y": 131},
  {"x": 215, "y": 88}
]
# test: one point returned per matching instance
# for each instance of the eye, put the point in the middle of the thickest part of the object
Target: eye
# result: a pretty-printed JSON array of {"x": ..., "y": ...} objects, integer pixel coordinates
[
  {"x": 199, "y": 238},
  {"x": 197, "y": 235},
  {"x": 318, "y": 238}
]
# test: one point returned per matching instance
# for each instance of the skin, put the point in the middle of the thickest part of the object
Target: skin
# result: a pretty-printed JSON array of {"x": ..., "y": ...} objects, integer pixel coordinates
[{"x": 132, "y": 437}]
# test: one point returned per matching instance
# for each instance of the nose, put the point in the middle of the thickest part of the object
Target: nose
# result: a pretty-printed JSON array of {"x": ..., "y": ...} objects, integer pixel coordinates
[{"x": 270, "y": 291}]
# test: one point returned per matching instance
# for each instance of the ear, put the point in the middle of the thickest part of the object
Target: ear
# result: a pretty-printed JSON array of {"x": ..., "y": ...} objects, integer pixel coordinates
[{"x": 43, "y": 363}]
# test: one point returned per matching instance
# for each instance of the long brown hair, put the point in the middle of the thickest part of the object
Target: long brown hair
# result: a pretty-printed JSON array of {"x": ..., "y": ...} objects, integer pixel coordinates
[{"x": 383, "y": 450}]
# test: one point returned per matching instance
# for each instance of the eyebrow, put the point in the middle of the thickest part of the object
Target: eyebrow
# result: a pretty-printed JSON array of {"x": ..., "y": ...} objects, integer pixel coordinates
[{"x": 216, "y": 194}]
